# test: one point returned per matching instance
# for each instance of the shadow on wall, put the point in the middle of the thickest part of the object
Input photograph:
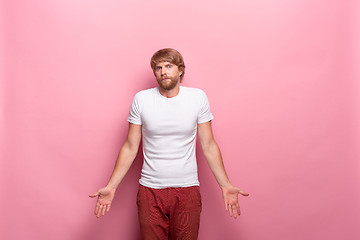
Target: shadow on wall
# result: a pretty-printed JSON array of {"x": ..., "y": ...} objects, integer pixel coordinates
[
  {"x": 215, "y": 221},
  {"x": 122, "y": 221}
]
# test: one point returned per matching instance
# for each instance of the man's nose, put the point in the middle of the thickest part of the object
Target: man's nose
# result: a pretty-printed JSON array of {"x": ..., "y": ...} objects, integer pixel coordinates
[{"x": 163, "y": 71}]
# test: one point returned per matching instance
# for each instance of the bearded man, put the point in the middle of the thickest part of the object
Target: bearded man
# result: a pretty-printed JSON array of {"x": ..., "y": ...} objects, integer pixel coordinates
[{"x": 168, "y": 118}]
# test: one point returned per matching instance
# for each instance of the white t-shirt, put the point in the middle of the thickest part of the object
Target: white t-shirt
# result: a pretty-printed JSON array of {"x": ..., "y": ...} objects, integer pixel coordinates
[{"x": 169, "y": 127}]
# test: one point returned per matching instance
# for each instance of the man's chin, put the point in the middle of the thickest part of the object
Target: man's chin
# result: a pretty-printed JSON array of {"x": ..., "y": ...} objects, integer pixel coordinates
[{"x": 167, "y": 86}]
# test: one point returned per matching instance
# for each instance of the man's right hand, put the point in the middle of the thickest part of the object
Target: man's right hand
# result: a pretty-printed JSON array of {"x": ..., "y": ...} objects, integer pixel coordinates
[{"x": 105, "y": 197}]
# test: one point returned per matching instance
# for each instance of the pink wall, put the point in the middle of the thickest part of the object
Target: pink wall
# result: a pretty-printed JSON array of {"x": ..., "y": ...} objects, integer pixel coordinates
[{"x": 281, "y": 80}]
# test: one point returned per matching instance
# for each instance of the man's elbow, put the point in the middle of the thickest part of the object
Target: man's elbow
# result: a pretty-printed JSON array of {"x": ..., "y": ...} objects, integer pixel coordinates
[
  {"x": 208, "y": 145},
  {"x": 130, "y": 148}
]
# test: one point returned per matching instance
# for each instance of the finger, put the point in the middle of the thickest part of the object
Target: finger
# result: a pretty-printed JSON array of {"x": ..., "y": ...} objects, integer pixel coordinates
[
  {"x": 226, "y": 207},
  {"x": 108, "y": 208},
  {"x": 234, "y": 211},
  {"x": 103, "y": 210},
  {"x": 230, "y": 210},
  {"x": 94, "y": 195},
  {"x": 99, "y": 212},
  {"x": 97, "y": 208},
  {"x": 244, "y": 193},
  {"x": 238, "y": 209}
]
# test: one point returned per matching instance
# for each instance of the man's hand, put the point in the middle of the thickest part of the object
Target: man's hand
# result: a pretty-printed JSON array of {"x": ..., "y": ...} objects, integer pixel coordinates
[
  {"x": 105, "y": 197},
  {"x": 230, "y": 195}
]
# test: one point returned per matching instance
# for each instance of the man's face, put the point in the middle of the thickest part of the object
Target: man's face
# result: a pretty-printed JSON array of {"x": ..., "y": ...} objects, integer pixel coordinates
[{"x": 167, "y": 75}]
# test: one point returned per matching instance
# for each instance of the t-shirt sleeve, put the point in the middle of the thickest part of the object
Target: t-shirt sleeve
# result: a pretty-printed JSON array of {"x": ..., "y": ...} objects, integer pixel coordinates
[
  {"x": 135, "y": 111},
  {"x": 204, "y": 113}
]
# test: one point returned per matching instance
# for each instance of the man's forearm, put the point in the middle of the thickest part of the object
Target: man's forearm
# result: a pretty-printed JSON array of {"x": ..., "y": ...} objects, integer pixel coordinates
[
  {"x": 123, "y": 163},
  {"x": 213, "y": 156}
]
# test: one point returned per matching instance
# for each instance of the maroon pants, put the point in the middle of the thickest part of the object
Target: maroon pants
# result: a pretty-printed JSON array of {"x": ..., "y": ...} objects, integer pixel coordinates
[{"x": 170, "y": 213}]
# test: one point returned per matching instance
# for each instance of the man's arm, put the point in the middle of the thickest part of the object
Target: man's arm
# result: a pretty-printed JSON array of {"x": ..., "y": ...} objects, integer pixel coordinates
[
  {"x": 214, "y": 159},
  {"x": 125, "y": 158}
]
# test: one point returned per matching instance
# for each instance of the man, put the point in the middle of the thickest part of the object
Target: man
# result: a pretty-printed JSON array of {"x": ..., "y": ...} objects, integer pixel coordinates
[{"x": 167, "y": 118}]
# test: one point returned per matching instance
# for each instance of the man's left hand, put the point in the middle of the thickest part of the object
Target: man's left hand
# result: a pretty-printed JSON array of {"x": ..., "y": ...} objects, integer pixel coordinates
[{"x": 230, "y": 195}]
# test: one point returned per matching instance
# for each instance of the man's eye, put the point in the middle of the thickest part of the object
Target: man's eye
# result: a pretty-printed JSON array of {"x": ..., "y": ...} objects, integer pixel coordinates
[
  {"x": 158, "y": 68},
  {"x": 169, "y": 66}
]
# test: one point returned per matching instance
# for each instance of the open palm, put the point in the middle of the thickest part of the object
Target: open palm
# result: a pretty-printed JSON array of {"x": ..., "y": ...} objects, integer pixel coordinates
[
  {"x": 230, "y": 196},
  {"x": 103, "y": 204}
]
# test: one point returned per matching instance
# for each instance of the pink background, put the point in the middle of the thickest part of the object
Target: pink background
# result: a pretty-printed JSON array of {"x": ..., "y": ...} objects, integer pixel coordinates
[{"x": 282, "y": 78}]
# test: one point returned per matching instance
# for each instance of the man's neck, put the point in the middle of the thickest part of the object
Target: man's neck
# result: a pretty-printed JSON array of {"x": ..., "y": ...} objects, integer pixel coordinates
[{"x": 170, "y": 93}]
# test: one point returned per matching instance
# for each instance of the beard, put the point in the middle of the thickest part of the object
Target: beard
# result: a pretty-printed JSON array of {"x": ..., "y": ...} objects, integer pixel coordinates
[{"x": 168, "y": 84}]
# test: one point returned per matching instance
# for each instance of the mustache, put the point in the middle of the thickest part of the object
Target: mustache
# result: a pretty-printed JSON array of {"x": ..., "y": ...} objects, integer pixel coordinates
[{"x": 162, "y": 78}]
